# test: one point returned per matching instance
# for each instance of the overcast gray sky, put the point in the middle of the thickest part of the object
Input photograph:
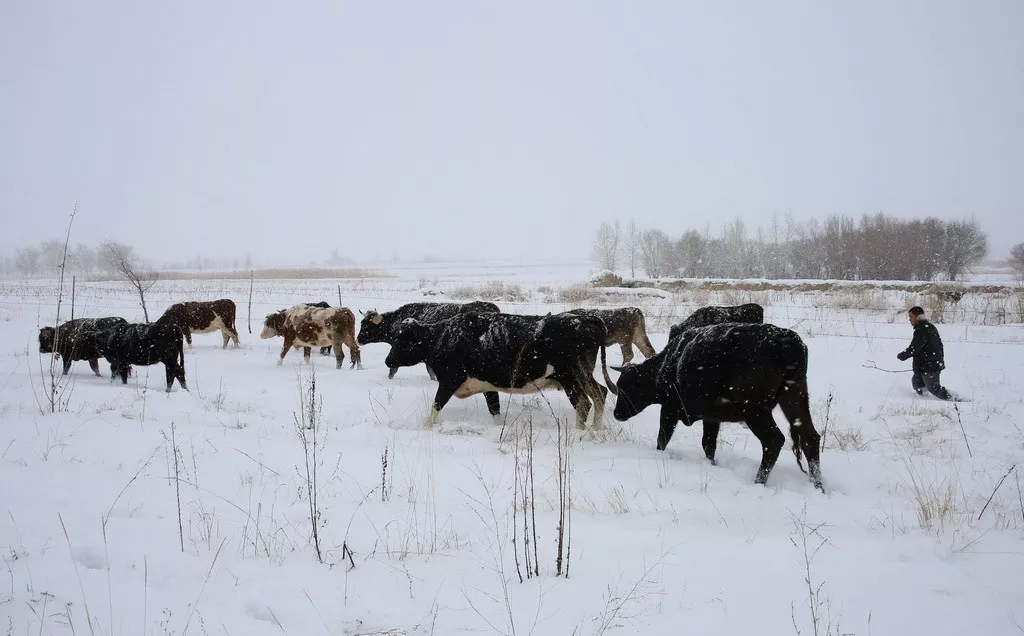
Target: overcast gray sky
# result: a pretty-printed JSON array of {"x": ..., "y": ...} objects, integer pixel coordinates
[{"x": 284, "y": 129}]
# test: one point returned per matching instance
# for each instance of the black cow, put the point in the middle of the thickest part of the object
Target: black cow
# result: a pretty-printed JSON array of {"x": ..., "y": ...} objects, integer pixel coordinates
[
  {"x": 78, "y": 339},
  {"x": 486, "y": 353},
  {"x": 714, "y": 315},
  {"x": 730, "y": 372},
  {"x": 145, "y": 345},
  {"x": 324, "y": 351},
  {"x": 379, "y": 327}
]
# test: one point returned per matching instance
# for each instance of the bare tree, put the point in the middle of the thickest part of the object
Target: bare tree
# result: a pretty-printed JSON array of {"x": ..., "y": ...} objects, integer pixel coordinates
[
  {"x": 1017, "y": 260},
  {"x": 120, "y": 259},
  {"x": 966, "y": 244},
  {"x": 690, "y": 254},
  {"x": 606, "y": 245},
  {"x": 26, "y": 261},
  {"x": 52, "y": 255},
  {"x": 655, "y": 253},
  {"x": 631, "y": 248}
]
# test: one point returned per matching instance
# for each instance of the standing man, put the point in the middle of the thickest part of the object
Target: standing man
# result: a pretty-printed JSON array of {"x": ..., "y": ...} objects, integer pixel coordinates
[{"x": 926, "y": 350}]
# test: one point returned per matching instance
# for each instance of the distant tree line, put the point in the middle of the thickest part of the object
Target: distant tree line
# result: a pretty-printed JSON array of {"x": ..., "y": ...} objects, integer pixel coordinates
[
  {"x": 877, "y": 247},
  {"x": 45, "y": 259}
]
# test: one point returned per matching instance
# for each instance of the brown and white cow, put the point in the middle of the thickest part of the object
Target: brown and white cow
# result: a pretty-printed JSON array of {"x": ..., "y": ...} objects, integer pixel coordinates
[
  {"x": 305, "y": 326},
  {"x": 203, "y": 317},
  {"x": 626, "y": 327}
]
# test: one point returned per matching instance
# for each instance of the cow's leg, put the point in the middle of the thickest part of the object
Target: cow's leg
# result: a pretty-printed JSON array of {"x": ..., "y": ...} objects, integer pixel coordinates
[
  {"x": 284, "y": 351},
  {"x": 188, "y": 336},
  {"x": 179, "y": 372},
  {"x": 796, "y": 407},
  {"x": 643, "y": 342},
  {"x": 305, "y": 353},
  {"x": 493, "y": 403},
  {"x": 578, "y": 398},
  {"x": 627, "y": 352},
  {"x": 67, "y": 364},
  {"x": 430, "y": 372},
  {"x": 353, "y": 348},
  {"x": 445, "y": 391},
  {"x": 666, "y": 427},
  {"x": 169, "y": 372},
  {"x": 124, "y": 368},
  {"x": 94, "y": 364},
  {"x": 597, "y": 394},
  {"x": 226, "y": 335},
  {"x": 339, "y": 355},
  {"x": 762, "y": 425},
  {"x": 391, "y": 372},
  {"x": 325, "y": 351},
  {"x": 710, "y": 438}
]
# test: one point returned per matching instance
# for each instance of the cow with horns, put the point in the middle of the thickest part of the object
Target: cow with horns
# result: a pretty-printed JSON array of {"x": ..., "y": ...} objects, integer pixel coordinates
[
  {"x": 728, "y": 372},
  {"x": 380, "y": 327},
  {"x": 472, "y": 353}
]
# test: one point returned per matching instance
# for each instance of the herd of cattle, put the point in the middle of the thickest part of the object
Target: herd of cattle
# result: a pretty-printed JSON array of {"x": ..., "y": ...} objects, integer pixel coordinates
[{"x": 721, "y": 364}]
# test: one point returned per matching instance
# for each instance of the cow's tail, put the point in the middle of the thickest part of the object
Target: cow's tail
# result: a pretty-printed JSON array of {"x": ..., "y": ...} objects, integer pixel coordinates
[
  {"x": 794, "y": 400},
  {"x": 604, "y": 369},
  {"x": 181, "y": 350},
  {"x": 641, "y": 336}
]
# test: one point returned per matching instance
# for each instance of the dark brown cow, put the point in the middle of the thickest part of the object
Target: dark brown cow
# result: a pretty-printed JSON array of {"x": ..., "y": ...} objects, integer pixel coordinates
[
  {"x": 203, "y": 316},
  {"x": 305, "y": 326},
  {"x": 626, "y": 327}
]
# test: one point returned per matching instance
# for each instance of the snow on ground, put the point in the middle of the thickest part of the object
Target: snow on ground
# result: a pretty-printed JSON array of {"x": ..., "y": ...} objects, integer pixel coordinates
[{"x": 912, "y": 539}]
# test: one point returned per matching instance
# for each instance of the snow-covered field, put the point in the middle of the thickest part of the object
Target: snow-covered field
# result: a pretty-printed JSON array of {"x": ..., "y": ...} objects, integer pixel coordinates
[{"x": 919, "y": 532}]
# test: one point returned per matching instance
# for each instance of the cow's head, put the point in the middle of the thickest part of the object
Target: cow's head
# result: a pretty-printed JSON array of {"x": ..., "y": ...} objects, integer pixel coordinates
[
  {"x": 371, "y": 328},
  {"x": 273, "y": 325},
  {"x": 410, "y": 345},
  {"x": 638, "y": 389},
  {"x": 46, "y": 335}
]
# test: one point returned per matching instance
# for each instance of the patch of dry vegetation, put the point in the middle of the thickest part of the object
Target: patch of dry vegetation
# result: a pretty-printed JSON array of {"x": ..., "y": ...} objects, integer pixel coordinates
[
  {"x": 282, "y": 273},
  {"x": 575, "y": 294},
  {"x": 493, "y": 290}
]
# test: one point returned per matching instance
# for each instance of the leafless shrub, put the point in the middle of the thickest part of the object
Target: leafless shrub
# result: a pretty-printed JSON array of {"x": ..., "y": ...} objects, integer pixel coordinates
[
  {"x": 524, "y": 500},
  {"x": 564, "y": 529},
  {"x": 122, "y": 261},
  {"x": 56, "y": 397},
  {"x": 628, "y": 605},
  {"x": 313, "y": 436},
  {"x": 809, "y": 540}
]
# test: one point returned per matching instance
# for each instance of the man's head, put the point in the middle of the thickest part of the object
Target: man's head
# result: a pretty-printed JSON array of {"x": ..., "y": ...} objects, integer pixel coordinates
[{"x": 914, "y": 314}]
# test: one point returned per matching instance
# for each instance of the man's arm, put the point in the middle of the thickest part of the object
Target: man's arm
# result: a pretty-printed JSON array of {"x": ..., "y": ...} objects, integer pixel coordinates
[{"x": 916, "y": 344}]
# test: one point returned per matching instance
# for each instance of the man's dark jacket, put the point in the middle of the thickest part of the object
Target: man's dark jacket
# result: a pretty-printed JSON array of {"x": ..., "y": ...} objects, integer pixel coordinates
[{"x": 925, "y": 348}]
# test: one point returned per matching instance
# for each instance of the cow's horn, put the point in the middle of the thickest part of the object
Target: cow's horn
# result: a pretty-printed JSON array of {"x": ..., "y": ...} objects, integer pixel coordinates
[{"x": 619, "y": 369}]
